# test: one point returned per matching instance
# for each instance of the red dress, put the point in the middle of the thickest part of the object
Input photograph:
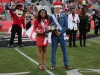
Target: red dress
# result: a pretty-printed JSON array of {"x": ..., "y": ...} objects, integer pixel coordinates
[{"x": 40, "y": 38}]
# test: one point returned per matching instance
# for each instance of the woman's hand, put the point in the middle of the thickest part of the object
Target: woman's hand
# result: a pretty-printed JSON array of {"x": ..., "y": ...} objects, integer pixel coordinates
[
  {"x": 40, "y": 33},
  {"x": 47, "y": 31}
]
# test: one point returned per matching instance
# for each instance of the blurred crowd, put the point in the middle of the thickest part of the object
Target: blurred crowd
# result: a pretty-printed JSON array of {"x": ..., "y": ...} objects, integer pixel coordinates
[
  {"x": 31, "y": 9},
  {"x": 96, "y": 1}
]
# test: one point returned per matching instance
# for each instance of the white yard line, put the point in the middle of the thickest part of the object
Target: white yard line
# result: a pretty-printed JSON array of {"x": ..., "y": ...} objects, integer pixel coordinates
[
  {"x": 88, "y": 44},
  {"x": 14, "y": 73},
  {"x": 48, "y": 71},
  {"x": 95, "y": 70},
  {"x": 94, "y": 41},
  {"x": 22, "y": 40},
  {"x": 73, "y": 72}
]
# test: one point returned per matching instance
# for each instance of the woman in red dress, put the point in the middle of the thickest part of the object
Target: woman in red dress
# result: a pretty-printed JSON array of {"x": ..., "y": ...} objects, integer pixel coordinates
[{"x": 40, "y": 25}]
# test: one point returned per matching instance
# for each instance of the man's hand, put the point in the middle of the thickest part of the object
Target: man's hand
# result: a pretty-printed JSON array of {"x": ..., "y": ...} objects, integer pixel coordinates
[
  {"x": 58, "y": 33},
  {"x": 40, "y": 32}
]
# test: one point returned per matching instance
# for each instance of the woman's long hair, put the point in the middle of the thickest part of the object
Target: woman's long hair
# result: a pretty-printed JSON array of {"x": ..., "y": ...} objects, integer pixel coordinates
[
  {"x": 39, "y": 16},
  {"x": 83, "y": 12}
]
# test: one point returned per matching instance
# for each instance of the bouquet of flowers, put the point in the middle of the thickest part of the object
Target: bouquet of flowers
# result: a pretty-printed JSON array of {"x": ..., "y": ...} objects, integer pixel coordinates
[{"x": 52, "y": 28}]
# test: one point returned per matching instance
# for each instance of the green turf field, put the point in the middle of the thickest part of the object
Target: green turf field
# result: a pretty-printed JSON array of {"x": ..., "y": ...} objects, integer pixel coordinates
[{"x": 81, "y": 58}]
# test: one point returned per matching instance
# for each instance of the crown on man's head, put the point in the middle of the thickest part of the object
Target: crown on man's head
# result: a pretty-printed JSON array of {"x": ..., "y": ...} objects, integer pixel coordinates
[{"x": 57, "y": 4}]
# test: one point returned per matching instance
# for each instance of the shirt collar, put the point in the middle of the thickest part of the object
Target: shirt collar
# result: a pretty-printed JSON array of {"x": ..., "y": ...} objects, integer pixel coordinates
[{"x": 57, "y": 15}]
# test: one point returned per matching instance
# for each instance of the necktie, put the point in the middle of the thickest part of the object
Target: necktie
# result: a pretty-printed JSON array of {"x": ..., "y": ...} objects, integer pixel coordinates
[{"x": 57, "y": 17}]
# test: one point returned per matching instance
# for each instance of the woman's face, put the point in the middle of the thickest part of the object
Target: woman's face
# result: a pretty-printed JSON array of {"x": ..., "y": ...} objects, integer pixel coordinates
[{"x": 43, "y": 14}]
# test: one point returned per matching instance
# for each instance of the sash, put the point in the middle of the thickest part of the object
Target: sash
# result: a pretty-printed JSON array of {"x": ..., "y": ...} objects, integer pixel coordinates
[
  {"x": 43, "y": 26},
  {"x": 46, "y": 38},
  {"x": 55, "y": 20}
]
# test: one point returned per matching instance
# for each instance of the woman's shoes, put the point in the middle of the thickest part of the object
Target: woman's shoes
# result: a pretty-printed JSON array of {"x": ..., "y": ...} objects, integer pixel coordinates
[{"x": 42, "y": 67}]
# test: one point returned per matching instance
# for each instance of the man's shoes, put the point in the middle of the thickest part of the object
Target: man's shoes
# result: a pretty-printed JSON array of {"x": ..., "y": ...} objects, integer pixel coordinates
[
  {"x": 52, "y": 68},
  {"x": 68, "y": 68},
  {"x": 10, "y": 46},
  {"x": 21, "y": 45}
]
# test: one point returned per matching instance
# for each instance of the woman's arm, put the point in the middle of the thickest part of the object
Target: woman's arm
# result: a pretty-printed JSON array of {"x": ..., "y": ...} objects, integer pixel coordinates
[
  {"x": 35, "y": 25},
  {"x": 87, "y": 21}
]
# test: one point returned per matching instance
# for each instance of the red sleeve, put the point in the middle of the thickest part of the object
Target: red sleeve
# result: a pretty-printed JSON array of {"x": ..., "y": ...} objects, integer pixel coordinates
[
  {"x": 11, "y": 12},
  {"x": 35, "y": 25},
  {"x": 23, "y": 22},
  {"x": 48, "y": 22}
]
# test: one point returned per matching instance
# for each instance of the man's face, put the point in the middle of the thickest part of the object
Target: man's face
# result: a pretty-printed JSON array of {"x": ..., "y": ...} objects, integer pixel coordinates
[
  {"x": 73, "y": 11},
  {"x": 57, "y": 10},
  {"x": 18, "y": 12}
]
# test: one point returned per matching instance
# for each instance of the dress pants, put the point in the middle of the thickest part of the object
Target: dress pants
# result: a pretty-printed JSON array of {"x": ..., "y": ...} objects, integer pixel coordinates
[
  {"x": 54, "y": 48},
  {"x": 72, "y": 37},
  {"x": 18, "y": 30},
  {"x": 96, "y": 29}
]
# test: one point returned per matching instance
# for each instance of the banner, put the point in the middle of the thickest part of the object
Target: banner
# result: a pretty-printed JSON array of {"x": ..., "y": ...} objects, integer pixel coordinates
[{"x": 31, "y": 34}]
